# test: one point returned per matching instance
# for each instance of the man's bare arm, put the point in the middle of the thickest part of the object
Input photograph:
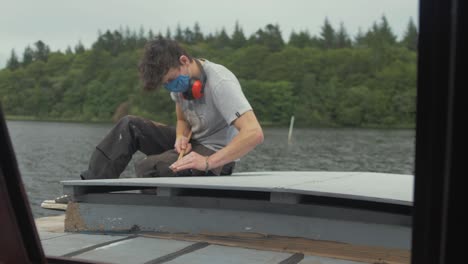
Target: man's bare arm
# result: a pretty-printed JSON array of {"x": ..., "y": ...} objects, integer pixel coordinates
[{"x": 249, "y": 136}]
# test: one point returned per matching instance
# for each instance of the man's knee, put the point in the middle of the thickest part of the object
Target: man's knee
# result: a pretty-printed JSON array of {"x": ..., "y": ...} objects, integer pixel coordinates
[
  {"x": 129, "y": 119},
  {"x": 134, "y": 122}
]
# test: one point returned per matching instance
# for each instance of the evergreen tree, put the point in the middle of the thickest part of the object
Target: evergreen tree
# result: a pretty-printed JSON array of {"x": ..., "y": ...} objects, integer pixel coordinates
[
  {"x": 222, "y": 40},
  {"x": 270, "y": 37},
  {"x": 13, "y": 62},
  {"x": 127, "y": 33},
  {"x": 342, "y": 38},
  {"x": 179, "y": 35},
  {"x": 189, "y": 36},
  {"x": 315, "y": 42},
  {"x": 168, "y": 33},
  {"x": 111, "y": 42},
  {"x": 210, "y": 39},
  {"x": 238, "y": 39},
  {"x": 79, "y": 48},
  {"x": 28, "y": 56},
  {"x": 380, "y": 35},
  {"x": 197, "y": 34},
  {"x": 360, "y": 39},
  {"x": 141, "y": 40},
  {"x": 68, "y": 51},
  {"x": 327, "y": 35},
  {"x": 132, "y": 41},
  {"x": 42, "y": 51},
  {"x": 150, "y": 35},
  {"x": 300, "y": 40},
  {"x": 386, "y": 33},
  {"x": 141, "y": 34},
  {"x": 410, "y": 38}
]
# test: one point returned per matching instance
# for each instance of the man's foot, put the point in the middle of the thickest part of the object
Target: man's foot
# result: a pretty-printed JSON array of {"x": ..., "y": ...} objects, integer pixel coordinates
[{"x": 64, "y": 199}]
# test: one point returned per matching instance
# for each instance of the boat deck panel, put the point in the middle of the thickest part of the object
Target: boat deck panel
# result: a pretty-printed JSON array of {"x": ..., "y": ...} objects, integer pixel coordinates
[
  {"x": 366, "y": 186},
  {"x": 136, "y": 250},
  {"x": 230, "y": 255},
  {"x": 186, "y": 248},
  {"x": 63, "y": 245},
  {"x": 153, "y": 250}
]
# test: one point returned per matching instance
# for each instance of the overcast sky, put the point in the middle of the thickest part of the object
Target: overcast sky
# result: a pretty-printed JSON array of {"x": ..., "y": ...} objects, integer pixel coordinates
[{"x": 62, "y": 23}]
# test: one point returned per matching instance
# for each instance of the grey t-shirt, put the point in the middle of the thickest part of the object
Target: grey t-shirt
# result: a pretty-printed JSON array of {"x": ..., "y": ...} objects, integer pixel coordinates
[{"x": 211, "y": 116}]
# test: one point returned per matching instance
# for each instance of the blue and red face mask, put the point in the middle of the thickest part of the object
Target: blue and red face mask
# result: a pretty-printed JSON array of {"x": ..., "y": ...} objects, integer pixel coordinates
[
  {"x": 179, "y": 84},
  {"x": 191, "y": 88}
]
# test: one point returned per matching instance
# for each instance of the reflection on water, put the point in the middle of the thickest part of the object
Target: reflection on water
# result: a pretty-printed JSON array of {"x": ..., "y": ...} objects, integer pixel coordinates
[{"x": 49, "y": 152}]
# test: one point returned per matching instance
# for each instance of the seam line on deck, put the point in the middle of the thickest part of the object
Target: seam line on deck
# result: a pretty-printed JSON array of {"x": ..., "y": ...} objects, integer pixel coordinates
[
  {"x": 293, "y": 259},
  {"x": 186, "y": 250},
  {"x": 49, "y": 238},
  {"x": 86, "y": 249}
]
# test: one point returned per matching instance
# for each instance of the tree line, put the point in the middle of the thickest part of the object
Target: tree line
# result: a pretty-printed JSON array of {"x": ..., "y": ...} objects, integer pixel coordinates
[{"x": 332, "y": 79}]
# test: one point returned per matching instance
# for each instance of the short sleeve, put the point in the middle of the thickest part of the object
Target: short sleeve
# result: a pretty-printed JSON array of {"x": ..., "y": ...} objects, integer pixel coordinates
[{"x": 230, "y": 100}]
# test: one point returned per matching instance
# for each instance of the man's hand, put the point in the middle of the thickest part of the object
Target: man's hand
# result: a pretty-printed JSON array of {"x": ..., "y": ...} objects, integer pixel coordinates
[
  {"x": 182, "y": 143},
  {"x": 191, "y": 161}
]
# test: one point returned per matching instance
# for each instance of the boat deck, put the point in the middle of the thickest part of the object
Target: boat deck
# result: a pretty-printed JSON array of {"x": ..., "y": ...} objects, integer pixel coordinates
[
  {"x": 262, "y": 217},
  {"x": 196, "y": 249}
]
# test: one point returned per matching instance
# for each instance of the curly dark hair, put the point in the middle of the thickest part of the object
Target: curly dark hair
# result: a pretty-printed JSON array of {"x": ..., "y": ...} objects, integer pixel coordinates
[{"x": 159, "y": 56}]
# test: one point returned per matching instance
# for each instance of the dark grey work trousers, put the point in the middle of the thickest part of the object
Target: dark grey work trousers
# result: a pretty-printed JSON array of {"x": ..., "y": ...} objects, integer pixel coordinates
[{"x": 130, "y": 134}]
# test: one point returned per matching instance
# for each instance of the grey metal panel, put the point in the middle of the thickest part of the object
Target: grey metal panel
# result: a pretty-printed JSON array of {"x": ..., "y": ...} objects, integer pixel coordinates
[
  {"x": 313, "y": 210},
  {"x": 122, "y": 218},
  {"x": 137, "y": 250},
  {"x": 62, "y": 245},
  {"x": 324, "y": 260},
  {"x": 285, "y": 198},
  {"x": 227, "y": 255},
  {"x": 381, "y": 187},
  {"x": 395, "y": 188}
]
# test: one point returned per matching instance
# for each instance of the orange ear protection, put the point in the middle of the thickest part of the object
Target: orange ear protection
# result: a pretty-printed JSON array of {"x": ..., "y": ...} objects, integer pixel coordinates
[{"x": 196, "y": 86}]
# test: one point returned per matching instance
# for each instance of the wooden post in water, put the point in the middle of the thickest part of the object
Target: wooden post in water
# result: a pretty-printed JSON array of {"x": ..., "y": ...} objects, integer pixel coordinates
[{"x": 291, "y": 124}]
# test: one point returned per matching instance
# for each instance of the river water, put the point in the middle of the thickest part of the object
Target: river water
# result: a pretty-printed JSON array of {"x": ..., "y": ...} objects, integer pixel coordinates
[{"x": 49, "y": 152}]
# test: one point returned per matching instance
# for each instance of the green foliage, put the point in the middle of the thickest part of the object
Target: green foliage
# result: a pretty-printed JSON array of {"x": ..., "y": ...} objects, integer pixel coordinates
[
  {"x": 286, "y": 64},
  {"x": 157, "y": 106},
  {"x": 247, "y": 62},
  {"x": 323, "y": 81},
  {"x": 272, "y": 101}
]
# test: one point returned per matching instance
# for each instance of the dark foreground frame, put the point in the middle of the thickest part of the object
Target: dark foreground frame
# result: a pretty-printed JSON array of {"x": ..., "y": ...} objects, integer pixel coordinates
[
  {"x": 438, "y": 165},
  {"x": 19, "y": 239},
  {"x": 440, "y": 132}
]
